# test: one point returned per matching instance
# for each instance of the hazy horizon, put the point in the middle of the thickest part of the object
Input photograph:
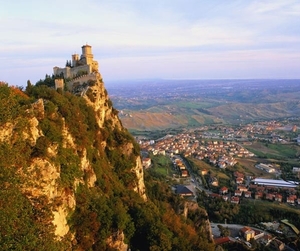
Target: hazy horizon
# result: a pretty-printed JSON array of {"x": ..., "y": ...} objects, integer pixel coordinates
[{"x": 152, "y": 39}]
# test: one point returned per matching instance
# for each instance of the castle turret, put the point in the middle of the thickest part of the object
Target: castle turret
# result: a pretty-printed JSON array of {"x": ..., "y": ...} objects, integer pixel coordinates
[
  {"x": 75, "y": 59},
  {"x": 59, "y": 83},
  {"x": 87, "y": 55}
]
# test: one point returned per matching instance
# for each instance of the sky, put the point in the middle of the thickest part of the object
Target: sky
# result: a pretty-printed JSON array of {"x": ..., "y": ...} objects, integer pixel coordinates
[{"x": 146, "y": 39}]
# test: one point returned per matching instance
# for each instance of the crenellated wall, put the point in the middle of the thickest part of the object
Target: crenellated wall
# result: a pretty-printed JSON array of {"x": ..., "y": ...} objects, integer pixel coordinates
[
  {"x": 82, "y": 79},
  {"x": 69, "y": 72}
]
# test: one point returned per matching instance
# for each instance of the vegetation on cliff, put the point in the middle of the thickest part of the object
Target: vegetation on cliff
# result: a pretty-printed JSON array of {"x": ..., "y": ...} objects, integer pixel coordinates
[{"x": 63, "y": 131}]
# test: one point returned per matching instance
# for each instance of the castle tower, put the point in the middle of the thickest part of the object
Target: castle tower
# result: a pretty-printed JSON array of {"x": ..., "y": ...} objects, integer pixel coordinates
[
  {"x": 75, "y": 59},
  {"x": 59, "y": 83},
  {"x": 87, "y": 54}
]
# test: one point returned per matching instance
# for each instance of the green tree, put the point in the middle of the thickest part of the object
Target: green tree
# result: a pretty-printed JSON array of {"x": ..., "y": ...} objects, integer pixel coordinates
[{"x": 224, "y": 231}]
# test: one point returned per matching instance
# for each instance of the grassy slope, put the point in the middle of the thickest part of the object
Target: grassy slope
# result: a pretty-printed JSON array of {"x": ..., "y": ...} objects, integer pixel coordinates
[{"x": 191, "y": 115}]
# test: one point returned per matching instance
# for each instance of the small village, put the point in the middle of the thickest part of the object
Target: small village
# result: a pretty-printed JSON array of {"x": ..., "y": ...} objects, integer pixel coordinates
[{"x": 221, "y": 152}]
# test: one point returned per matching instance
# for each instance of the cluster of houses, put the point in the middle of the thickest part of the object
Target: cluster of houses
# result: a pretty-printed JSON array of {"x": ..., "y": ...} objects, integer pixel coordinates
[
  {"x": 269, "y": 189},
  {"x": 178, "y": 163},
  {"x": 219, "y": 153},
  {"x": 246, "y": 234},
  {"x": 235, "y": 198}
]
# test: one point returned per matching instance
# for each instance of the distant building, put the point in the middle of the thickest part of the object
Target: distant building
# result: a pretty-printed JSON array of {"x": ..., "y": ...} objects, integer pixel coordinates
[
  {"x": 265, "y": 167},
  {"x": 247, "y": 233},
  {"x": 203, "y": 172},
  {"x": 291, "y": 199},
  {"x": 296, "y": 171},
  {"x": 275, "y": 183},
  {"x": 78, "y": 71},
  {"x": 237, "y": 193},
  {"x": 270, "y": 196},
  {"x": 235, "y": 200},
  {"x": 278, "y": 197},
  {"x": 247, "y": 194},
  {"x": 214, "y": 182},
  {"x": 239, "y": 180},
  {"x": 184, "y": 173},
  {"x": 222, "y": 240},
  {"x": 223, "y": 190},
  {"x": 242, "y": 188},
  {"x": 258, "y": 195},
  {"x": 146, "y": 162},
  {"x": 183, "y": 191}
]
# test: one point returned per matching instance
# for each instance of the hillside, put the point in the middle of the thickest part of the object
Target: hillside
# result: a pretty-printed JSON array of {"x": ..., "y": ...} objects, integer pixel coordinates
[
  {"x": 162, "y": 104},
  {"x": 71, "y": 176}
]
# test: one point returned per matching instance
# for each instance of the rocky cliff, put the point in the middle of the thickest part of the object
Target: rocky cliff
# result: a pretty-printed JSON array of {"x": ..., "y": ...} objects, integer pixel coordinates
[
  {"x": 66, "y": 142},
  {"x": 71, "y": 176}
]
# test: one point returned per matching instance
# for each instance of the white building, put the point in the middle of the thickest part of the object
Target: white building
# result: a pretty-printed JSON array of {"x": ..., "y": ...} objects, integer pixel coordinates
[{"x": 266, "y": 167}]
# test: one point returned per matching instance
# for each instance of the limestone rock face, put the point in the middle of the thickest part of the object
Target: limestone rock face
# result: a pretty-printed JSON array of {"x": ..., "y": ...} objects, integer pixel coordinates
[
  {"x": 96, "y": 96},
  {"x": 58, "y": 164},
  {"x": 139, "y": 171},
  {"x": 202, "y": 222},
  {"x": 6, "y": 132},
  {"x": 117, "y": 242}
]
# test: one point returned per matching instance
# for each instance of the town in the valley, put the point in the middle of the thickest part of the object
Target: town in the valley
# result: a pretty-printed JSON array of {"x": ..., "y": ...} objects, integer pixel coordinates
[{"x": 220, "y": 148}]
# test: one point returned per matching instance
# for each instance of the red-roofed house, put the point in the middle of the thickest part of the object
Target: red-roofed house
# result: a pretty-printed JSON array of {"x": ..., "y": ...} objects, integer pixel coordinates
[
  {"x": 278, "y": 197},
  {"x": 184, "y": 173},
  {"x": 238, "y": 193},
  {"x": 223, "y": 190},
  {"x": 270, "y": 196},
  {"x": 239, "y": 180},
  {"x": 242, "y": 188},
  {"x": 238, "y": 175},
  {"x": 258, "y": 195},
  {"x": 215, "y": 195},
  {"x": 247, "y": 194},
  {"x": 235, "y": 200},
  {"x": 291, "y": 199},
  {"x": 221, "y": 240}
]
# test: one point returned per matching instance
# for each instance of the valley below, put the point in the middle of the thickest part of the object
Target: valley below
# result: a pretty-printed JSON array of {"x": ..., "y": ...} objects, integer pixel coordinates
[{"x": 165, "y": 104}]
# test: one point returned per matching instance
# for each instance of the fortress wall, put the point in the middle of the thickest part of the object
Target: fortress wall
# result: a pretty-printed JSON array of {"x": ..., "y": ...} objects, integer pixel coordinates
[
  {"x": 75, "y": 70},
  {"x": 95, "y": 66},
  {"x": 59, "y": 83},
  {"x": 65, "y": 71},
  {"x": 72, "y": 72},
  {"x": 82, "y": 79}
]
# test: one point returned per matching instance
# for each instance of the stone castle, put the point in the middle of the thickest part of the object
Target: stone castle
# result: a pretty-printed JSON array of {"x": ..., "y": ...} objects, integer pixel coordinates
[{"x": 79, "y": 71}]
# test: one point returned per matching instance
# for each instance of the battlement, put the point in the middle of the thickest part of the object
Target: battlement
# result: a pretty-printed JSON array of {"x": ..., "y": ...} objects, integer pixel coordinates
[{"x": 84, "y": 79}]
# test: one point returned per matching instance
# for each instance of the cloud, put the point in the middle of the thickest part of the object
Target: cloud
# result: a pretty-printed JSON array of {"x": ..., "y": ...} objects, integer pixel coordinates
[
  {"x": 163, "y": 38},
  {"x": 277, "y": 7}
]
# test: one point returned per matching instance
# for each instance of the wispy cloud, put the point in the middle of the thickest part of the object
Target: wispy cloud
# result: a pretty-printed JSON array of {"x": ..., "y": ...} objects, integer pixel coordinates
[{"x": 167, "y": 38}]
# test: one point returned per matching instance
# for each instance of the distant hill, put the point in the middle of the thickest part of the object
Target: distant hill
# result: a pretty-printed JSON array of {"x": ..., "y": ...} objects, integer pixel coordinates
[{"x": 161, "y": 104}]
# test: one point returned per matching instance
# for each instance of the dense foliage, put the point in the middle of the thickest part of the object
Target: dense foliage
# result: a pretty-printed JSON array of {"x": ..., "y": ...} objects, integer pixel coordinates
[{"x": 102, "y": 212}]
